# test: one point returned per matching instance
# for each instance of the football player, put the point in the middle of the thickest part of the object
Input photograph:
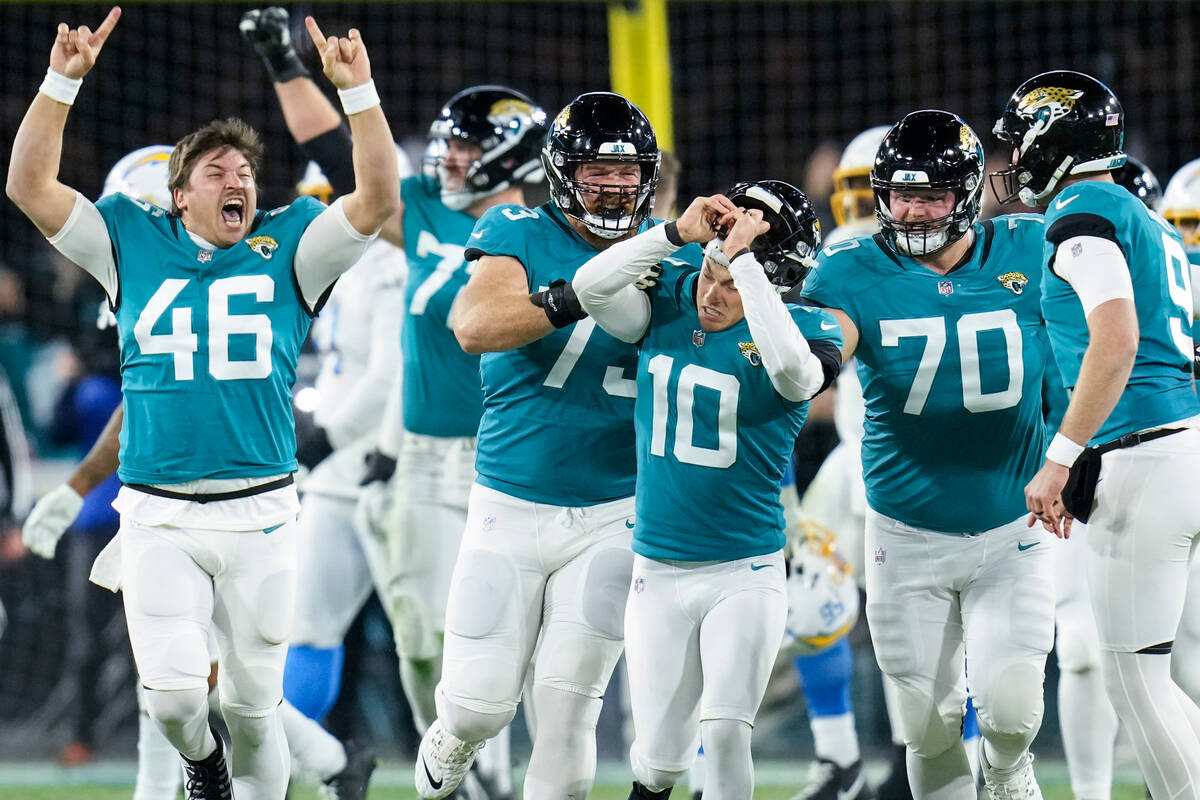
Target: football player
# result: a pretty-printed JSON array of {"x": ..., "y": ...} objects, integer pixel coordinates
[
  {"x": 941, "y": 311},
  {"x": 708, "y": 581},
  {"x": 212, "y": 301},
  {"x": 540, "y": 582},
  {"x": 1118, "y": 307},
  {"x": 483, "y": 148},
  {"x": 1088, "y": 721}
]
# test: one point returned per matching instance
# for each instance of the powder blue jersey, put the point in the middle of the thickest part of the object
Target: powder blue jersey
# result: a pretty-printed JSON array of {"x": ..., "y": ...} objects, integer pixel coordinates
[
  {"x": 442, "y": 393},
  {"x": 952, "y": 373},
  {"x": 713, "y": 435},
  {"x": 557, "y": 422},
  {"x": 209, "y": 342},
  {"x": 1159, "y": 389}
]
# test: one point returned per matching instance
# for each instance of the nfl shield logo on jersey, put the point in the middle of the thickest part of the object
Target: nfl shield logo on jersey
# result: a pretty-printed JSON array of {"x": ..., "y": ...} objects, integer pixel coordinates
[
  {"x": 945, "y": 288},
  {"x": 204, "y": 256},
  {"x": 639, "y": 585},
  {"x": 880, "y": 556},
  {"x": 698, "y": 338}
]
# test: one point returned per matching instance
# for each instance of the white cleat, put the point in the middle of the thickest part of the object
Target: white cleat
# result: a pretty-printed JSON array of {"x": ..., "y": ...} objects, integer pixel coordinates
[
  {"x": 442, "y": 762},
  {"x": 1017, "y": 783}
]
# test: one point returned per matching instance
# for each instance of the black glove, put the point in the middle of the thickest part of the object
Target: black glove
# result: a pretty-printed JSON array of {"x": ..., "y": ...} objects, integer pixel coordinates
[
  {"x": 380, "y": 467},
  {"x": 560, "y": 303},
  {"x": 313, "y": 447},
  {"x": 1196, "y": 359},
  {"x": 266, "y": 30}
]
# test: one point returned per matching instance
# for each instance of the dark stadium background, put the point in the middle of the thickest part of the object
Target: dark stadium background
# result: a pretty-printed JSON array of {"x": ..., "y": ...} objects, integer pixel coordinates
[{"x": 759, "y": 90}]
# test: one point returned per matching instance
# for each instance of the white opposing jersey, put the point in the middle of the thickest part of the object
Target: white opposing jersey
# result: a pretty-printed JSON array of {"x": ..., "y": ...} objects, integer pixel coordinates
[{"x": 358, "y": 337}]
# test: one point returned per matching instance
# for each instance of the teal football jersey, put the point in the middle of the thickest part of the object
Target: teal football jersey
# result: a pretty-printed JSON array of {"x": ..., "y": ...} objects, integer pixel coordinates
[
  {"x": 952, "y": 372},
  {"x": 713, "y": 435},
  {"x": 557, "y": 421},
  {"x": 1160, "y": 388},
  {"x": 209, "y": 342},
  {"x": 442, "y": 393}
]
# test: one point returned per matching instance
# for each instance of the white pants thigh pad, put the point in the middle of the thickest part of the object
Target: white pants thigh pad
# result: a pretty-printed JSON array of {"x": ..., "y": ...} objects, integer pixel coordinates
[
  {"x": 434, "y": 478},
  {"x": 337, "y": 565},
  {"x": 526, "y": 569},
  {"x": 1140, "y": 537},
  {"x": 179, "y": 583},
  {"x": 700, "y": 643},
  {"x": 938, "y": 604}
]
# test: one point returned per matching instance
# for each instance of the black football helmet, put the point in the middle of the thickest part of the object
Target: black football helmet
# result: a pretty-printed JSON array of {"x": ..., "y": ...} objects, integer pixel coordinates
[
  {"x": 1140, "y": 181},
  {"x": 788, "y": 251},
  {"x": 928, "y": 150},
  {"x": 602, "y": 126},
  {"x": 1057, "y": 124},
  {"x": 507, "y": 125}
]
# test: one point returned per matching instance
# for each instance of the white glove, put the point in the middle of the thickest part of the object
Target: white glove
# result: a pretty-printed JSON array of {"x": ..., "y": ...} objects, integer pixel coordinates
[{"x": 50, "y": 518}]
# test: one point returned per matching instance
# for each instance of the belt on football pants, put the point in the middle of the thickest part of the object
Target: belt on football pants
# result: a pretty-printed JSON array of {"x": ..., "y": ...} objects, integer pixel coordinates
[
  {"x": 213, "y": 497},
  {"x": 1079, "y": 495}
]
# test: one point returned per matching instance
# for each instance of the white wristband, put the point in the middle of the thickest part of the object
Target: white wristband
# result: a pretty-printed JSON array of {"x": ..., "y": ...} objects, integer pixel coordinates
[
  {"x": 359, "y": 98},
  {"x": 1063, "y": 451},
  {"x": 59, "y": 87}
]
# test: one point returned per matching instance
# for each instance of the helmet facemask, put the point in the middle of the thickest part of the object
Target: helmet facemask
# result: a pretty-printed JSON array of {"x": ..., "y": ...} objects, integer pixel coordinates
[
  {"x": 928, "y": 236},
  {"x": 504, "y": 125},
  {"x": 616, "y": 210},
  {"x": 1057, "y": 124}
]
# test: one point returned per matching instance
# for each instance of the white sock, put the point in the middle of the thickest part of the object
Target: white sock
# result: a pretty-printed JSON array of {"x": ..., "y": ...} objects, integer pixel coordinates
[
  {"x": 1151, "y": 706},
  {"x": 730, "y": 768},
  {"x": 563, "y": 761},
  {"x": 696, "y": 773},
  {"x": 159, "y": 770},
  {"x": 315, "y": 751},
  {"x": 834, "y": 739},
  {"x": 945, "y": 777},
  {"x": 495, "y": 762},
  {"x": 259, "y": 761},
  {"x": 1089, "y": 728},
  {"x": 972, "y": 747}
]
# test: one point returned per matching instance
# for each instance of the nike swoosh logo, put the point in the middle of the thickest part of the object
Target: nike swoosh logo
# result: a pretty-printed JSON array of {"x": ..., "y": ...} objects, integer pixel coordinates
[
  {"x": 274, "y": 528},
  {"x": 757, "y": 567},
  {"x": 1023, "y": 547},
  {"x": 435, "y": 785},
  {"x": 476, "y": 235},
  {"x": 828, "y": 326},
  {"x": 852, "y": 792},
  {"x": 1060, "y": 204},
  {"x": 628, "y": 524}
]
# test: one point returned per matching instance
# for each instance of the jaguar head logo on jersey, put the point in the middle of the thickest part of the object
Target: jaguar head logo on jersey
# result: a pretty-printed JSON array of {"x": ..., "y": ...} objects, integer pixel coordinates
[
  {"x": 750, "y": 351},
  {"x": 1015, "y": 282},
  {"x": 265, "y": 246}
]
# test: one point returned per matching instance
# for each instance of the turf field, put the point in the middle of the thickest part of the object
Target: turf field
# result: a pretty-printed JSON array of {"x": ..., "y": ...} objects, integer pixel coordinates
[{"x": 776, "y": 781}]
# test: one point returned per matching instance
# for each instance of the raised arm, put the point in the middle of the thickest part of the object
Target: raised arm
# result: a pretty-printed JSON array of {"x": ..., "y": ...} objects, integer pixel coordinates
[
  {"x": 376, "y": 173},
  {"x": 37, "y": 147}
]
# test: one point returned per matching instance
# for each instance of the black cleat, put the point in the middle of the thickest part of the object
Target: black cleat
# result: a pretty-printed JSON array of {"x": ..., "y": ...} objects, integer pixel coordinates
[
  {"x": 828, "y": 781},
  {"x": 642, "y": 793},
  {"x": 208, "y": 779},
  {"x": 351, "y": 782}
]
